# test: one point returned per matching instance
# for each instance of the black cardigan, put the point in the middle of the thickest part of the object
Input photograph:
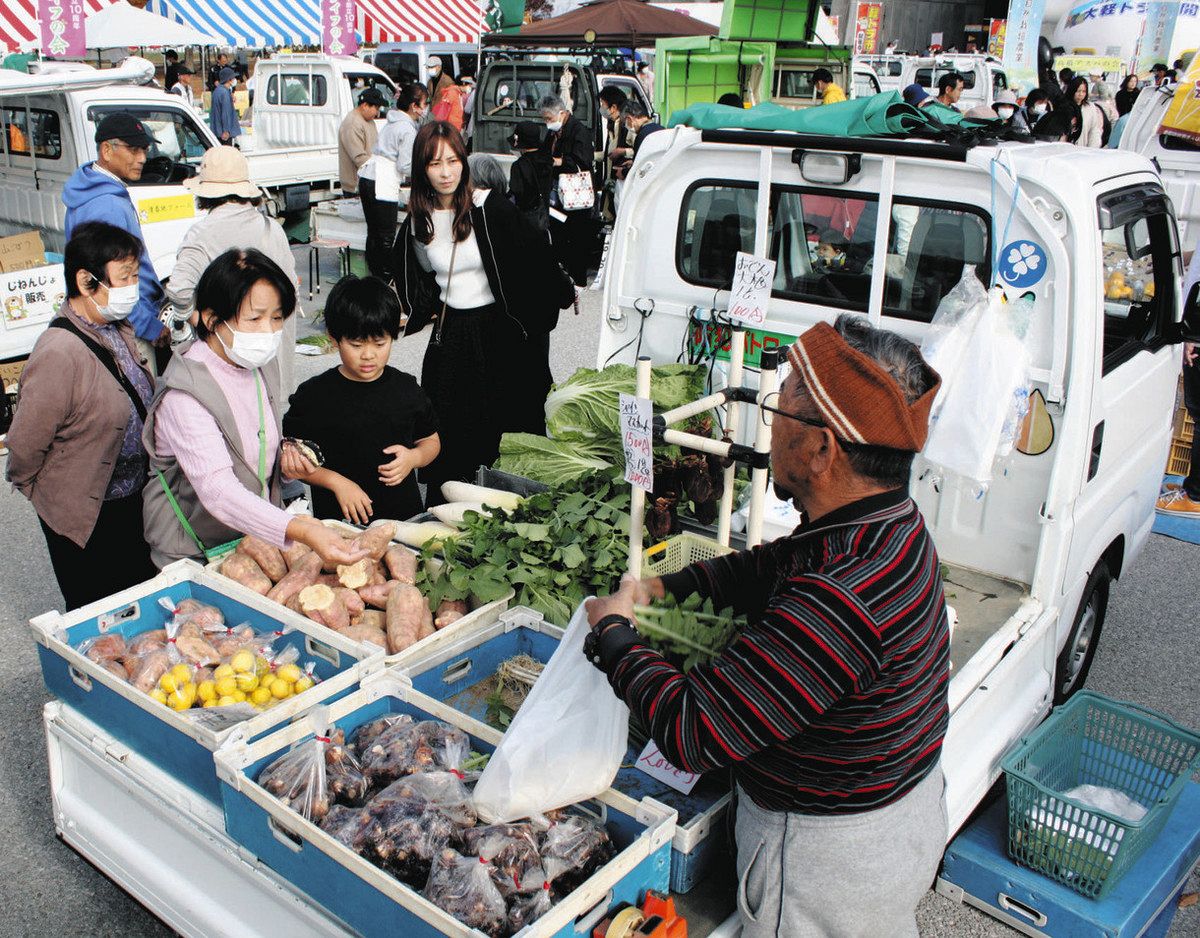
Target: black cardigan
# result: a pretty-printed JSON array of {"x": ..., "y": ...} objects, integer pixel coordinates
[
  {"x": 574, "y": 144},
  {"x": 529, "y": 285}
]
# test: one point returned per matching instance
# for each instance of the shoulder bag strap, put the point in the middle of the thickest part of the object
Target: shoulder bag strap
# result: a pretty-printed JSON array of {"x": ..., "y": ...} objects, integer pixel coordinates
[
  {"x": 437, "y": 332},
  {"x": 107, "y": 360}
]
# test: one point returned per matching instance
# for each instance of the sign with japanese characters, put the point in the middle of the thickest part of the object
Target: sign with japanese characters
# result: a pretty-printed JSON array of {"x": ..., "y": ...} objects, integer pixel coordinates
[
  {"x": 996, "y": 33},
  {"x": 338, "y": 19},
  {"x": 866, "y": 28},
  {"x": 713, "y": 339},
  {"x": 637, "y": 440},
  {"x": 1157, "y": 32},
  {"x": 1021, "y": 43},
  {"x": 62, "y": 28},
  {"x": 751, "y": 290},
  {"x": 31, "y": 297},
  {"x": 166, "y": 208}
]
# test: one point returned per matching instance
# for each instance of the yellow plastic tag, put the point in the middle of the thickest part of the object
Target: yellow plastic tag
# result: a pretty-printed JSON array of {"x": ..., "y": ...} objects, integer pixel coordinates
[{"x": 166, "y": 208}]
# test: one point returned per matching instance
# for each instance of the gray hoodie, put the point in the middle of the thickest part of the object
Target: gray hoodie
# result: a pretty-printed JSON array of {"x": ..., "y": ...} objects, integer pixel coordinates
[{"x": 396, "y": 143}]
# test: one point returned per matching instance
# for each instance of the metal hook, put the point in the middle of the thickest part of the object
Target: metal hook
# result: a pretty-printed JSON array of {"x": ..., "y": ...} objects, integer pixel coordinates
[{"x": 644, "y": 312}]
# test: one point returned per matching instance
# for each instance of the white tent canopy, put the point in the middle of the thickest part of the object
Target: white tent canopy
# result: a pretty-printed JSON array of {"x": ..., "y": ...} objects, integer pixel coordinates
[{"x": 122, "y": 25}]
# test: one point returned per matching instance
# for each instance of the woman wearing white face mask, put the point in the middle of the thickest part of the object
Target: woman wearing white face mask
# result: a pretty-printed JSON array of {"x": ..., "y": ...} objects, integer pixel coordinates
[
  {"x": 75, "y": 445},
  {"x": 213, "y": 431},
  {"x": 1037, "y": 106}
]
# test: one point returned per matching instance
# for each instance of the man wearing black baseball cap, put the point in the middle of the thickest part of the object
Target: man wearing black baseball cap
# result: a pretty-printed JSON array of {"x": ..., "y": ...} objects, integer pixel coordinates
[
  {"x": 357, "y": 138},
  {"x": 98, "y": 192}
]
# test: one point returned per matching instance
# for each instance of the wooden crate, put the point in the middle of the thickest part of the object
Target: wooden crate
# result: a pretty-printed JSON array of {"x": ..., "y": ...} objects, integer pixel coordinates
[
  {"x": 1184, "y": 428},
  {"x": 1180, "y": 460}
]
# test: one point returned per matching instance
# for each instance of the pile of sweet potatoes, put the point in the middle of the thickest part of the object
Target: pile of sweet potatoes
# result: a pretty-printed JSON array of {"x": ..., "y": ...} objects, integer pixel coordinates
[{"x": 375, "y": 600}]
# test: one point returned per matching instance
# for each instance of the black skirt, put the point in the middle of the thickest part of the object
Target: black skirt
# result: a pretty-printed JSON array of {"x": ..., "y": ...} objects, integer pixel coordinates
[{"x": 484, "y": 378}]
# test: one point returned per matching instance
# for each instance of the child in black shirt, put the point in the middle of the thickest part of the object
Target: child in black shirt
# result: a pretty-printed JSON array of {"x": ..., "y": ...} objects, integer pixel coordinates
[{"x": 373, "y": 423}]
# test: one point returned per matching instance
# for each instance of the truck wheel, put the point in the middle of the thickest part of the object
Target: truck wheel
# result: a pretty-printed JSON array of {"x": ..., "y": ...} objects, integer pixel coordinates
[{"x": 1079, "y": 652}]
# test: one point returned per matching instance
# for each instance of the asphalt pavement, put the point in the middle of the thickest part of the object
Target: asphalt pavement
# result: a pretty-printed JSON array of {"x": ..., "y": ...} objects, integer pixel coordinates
[{"x": 1147, "y": 654}]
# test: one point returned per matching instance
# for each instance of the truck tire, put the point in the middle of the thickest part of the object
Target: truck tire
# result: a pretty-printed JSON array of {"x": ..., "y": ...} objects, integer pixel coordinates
[{"x": 1075, "y": 660}]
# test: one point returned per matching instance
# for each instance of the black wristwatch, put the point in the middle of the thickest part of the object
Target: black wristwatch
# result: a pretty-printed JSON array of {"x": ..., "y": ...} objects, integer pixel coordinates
[{"x": 591, "y": 644}]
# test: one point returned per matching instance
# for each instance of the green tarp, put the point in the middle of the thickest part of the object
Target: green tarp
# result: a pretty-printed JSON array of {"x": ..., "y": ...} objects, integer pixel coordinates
[{"x": 878, "y": 115}]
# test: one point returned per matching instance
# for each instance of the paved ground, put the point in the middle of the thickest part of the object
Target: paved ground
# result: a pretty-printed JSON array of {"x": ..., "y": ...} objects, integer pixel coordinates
[{"x": 1148, "y": 654}]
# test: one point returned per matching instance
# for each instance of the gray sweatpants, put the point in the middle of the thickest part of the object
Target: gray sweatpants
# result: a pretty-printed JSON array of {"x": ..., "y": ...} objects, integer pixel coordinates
[{"x": 848, "y": 876}]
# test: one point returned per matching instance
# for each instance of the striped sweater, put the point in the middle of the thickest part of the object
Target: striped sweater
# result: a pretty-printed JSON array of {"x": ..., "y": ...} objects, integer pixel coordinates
[{"x": 834, "y": 699}]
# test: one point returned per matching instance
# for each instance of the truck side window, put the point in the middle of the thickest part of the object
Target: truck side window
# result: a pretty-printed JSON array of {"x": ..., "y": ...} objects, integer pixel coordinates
[
  {"x": 296, "y": 90},
  {"x": 1138, "y": 243},
  {"x": 178, "y": 145},
  {"x": 716, "y": 221},
  {"x": 36, "y": 132},
  {"x": 928, "y": 245}
]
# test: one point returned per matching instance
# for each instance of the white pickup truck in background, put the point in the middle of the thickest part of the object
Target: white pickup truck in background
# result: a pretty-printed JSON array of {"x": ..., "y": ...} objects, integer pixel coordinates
[{"x": 1028, "y": 562}]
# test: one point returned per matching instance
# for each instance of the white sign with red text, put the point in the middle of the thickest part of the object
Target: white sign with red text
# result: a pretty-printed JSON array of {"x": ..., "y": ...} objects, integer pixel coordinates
[
  {"x": 637, "y": 439},
  {"x": 655, "y": 764}
]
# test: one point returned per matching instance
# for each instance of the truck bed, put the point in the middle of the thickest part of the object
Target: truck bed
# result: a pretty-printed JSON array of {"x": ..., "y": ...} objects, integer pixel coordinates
[{"x": 984, "y": 604}]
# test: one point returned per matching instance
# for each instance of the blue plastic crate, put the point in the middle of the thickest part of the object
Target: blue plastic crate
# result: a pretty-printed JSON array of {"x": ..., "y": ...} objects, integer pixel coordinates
[
  {"x": 459, "y": 674},
  {"x": 371, "y": 901},
  {"x": 166, "y": 738}
]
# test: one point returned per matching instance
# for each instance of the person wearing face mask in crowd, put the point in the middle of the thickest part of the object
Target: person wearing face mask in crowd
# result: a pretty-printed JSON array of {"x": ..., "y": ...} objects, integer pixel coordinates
[
  {"x": 569, "y": 145},
  {"x": 213, "y": 430},
  {"x": 1037, "y": 106},
  {"x": 1005, "y": 107},
  {"x": 75, "y": 445},
  {"x": 438, "y": 81}
]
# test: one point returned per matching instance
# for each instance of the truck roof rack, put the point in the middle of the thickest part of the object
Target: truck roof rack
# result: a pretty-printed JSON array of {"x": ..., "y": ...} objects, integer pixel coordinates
[{"x": 952, "y": 151}]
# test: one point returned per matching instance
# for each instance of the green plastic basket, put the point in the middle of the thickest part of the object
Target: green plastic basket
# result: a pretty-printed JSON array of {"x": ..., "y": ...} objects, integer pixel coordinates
[{"x": 1093, "y": 740}]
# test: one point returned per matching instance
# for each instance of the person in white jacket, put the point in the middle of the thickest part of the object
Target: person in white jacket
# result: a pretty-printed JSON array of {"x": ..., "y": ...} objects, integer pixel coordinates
[
  {"x": 389, "y": 168},
  {"x": 234, "y": 219},
  {"x": 1091, "y": 124}
]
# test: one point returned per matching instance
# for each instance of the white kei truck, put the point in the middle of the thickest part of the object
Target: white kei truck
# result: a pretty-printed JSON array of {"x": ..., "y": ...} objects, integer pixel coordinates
[{"x": 1029, "y": 561}]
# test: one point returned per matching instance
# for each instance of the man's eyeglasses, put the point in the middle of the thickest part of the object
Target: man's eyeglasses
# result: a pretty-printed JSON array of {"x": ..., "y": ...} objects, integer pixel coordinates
[
  {"x": 770, "y": 404},
  {"x": 122, "y": 143}
]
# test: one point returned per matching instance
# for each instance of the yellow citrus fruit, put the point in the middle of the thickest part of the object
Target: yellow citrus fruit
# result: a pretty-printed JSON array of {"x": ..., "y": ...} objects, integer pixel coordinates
[
  {"x": 221, "y": 671},
  {"x": 280, "y": 689},
  {"x": 206, "y": 690},
  {"x": 260, "y": 696},
  {"x": 240, "y": 696},
  {"x": 159, "y": 695},
  {"x": 289, "y": 673},
  {"x": 247, "y": 682},
  {"x": 303, "y": 684},
  {"x": 178, "y": 701},
  {"x": 261, "y": 666},
  {"x": 210, "y": 703},
  {"x": 242, "y": 662},
  {"x": 225, "y": 701},
  {"x": 182, "y": 673},
  {"x": 168, "y": 683},
  {"x": 226, "y": 686}
]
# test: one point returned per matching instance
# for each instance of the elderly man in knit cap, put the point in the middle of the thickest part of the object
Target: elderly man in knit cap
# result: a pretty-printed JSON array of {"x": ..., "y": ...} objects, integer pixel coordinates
[{"x": 831, "y": 705}]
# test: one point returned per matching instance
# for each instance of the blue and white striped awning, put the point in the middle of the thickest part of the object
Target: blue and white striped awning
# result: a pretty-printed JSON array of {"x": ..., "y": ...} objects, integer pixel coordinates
[{"x": 253, "y": 23}]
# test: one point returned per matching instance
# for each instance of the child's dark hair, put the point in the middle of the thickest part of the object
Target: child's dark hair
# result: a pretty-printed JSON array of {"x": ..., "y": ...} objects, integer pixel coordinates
[
  {"x": 227, "y": 280},
  {"x": 362, "y": 308}
]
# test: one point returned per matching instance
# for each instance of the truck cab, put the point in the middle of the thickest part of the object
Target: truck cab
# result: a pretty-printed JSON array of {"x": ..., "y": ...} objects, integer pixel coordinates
[
  {"x": 983, "y": 76},
  {"x": 888, "y": 69},
  {"x": 408, "y": 61},
  {"x": 1029, "y": 559},
  {"x": 793, "y": 82}
]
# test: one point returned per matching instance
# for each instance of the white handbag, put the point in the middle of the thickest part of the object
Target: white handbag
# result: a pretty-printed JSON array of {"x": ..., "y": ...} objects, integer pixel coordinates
[
  {"x": 387, "y": 180},
  {"x": 575, "y": 191}
]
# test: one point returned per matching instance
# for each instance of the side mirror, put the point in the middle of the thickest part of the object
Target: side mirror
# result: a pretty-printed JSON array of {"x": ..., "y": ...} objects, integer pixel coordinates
[{"x": 1188, "y": 327}]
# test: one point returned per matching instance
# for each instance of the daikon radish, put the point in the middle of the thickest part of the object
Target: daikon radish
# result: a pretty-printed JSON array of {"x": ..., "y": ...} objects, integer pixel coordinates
[
  {"x": 452, "y": 512},
  {"x": 419, "y": 534},
  {"x": 466, "y": 492}
]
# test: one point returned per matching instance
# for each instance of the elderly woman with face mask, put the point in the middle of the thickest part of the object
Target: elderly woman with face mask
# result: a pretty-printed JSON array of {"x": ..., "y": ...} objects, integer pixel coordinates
[
  {"x": 569, "y": 145},
  {"x": 75, "y": 445}
]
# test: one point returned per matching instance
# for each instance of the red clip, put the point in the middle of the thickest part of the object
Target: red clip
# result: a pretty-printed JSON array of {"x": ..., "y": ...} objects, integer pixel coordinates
[
  {"x": 546, "y": 885},
  {"x": 516, "y": 882},
  {"x": 458, "y": 773},
  {"x": 482, "y": 860},
  {"x": 321, "y": 739}
]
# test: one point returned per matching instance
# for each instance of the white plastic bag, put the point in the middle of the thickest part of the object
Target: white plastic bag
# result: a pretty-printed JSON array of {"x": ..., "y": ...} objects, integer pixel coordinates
[{"x": 564, "y": 745}]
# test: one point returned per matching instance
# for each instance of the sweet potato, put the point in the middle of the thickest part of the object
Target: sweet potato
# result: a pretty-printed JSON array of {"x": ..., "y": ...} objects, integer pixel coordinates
[
  {"x": 105, "y": 648},
  {"x": 321, "y": 604},
  {"x": 116, "y": 668},
  {"x": 329, "y": 579},
  {"x": 355, "y": 575},
  {"x": 401, "y": 564},
  {"x": 237, "y": 638},
  {"x": 373, "y": 617},
  {"x": 293, "y": 554},
  {"x": 145, "y": 671},
  {"x": 366, "y": 633},
  {"x": 267, "y": 556},
  {"x": 377, "y": 595},
  {"x": 379, "y": 575},
  {"x": 144, "y": 643},
  {"x": 305, "y": 573},
  {"x": 209, "y": 618},
  {"x": 241, "y": 568},
  {"x": 406, "y": 611},
  {"x": 351, "y": 600},
  {"x": 195, "y": 647},
  {"x": 375, "y": 539},
  {"x": 448, "y": 611}
]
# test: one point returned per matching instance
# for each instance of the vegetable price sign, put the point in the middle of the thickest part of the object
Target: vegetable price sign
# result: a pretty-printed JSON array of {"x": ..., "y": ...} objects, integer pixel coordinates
[
  {"x": 752, "y": 279},
  {"x": 655, "y": 764},
  {"x": 637, "y": 414}
]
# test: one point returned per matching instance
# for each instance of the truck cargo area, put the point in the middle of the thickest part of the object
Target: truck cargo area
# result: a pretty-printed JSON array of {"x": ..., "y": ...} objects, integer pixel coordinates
[{"x": 984, "y": 603}]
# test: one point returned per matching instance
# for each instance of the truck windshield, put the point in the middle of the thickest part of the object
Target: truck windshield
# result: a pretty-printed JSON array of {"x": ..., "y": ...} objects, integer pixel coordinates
[
  {"x": 178, "y": 142},
  {"x": 401, "y": 66},
  {"x": 929, "y": 77},
  {"x": 360, "y": 82}
]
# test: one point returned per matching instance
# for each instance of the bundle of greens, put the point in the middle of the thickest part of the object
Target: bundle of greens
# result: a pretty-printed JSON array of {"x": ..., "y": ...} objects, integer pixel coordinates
[
  {"x": 690, "y": 632},
  {"x": 555, "y": 549}
]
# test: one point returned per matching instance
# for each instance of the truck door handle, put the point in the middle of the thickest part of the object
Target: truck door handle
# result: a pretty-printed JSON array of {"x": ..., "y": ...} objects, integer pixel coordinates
[{"x": 1097, "y": 443}]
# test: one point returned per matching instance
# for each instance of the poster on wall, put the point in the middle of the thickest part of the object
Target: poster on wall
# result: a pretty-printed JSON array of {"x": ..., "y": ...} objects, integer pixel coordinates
[
  {"x": 866, "y": 28},
  {"x": 995, "y": 43},
  {"x": 1024, "y": 26}
]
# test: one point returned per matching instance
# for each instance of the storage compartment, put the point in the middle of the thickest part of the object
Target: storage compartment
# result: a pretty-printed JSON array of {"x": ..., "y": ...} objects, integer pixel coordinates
[
  {"x": 464, "y": 677},
  {"x": 166, "y": 738},
  {"x": 372, "y": 901}
]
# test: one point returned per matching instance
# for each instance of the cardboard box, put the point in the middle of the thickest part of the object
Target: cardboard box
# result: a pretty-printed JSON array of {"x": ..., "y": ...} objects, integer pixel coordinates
[{"x": 21, "y": 252}]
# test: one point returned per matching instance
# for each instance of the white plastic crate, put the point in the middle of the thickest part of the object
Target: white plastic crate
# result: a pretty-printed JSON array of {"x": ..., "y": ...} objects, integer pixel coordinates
[{"x": 162, "y": 844}]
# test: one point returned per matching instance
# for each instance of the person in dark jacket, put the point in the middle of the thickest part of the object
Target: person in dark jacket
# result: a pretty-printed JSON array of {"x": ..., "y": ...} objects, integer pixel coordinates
[
  {"x": 569, "y": 146},
  {"x": 214, "y": 71},
  {"x": 222, "y": 117},
  {"x": 637, "y": 119},
  {"x": 1127, "y": 95},
  {"x": 531, "y": 176},
  {"x": 170, "y": 69},
  {"x": 467, "y": 262}
]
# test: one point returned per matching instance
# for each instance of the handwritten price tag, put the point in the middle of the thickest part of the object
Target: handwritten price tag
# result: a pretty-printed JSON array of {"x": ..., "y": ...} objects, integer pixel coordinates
[
  {"x": 637, "y": 439},
  {"x": 751, "y": 290},
  {"x": 655, "y": 764}
]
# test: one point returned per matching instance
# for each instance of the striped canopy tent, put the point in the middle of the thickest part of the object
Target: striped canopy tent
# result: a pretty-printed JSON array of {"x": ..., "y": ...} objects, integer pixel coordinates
[
  {"x": 419, "y": 20},
  {"x": 19, "y": 22}
]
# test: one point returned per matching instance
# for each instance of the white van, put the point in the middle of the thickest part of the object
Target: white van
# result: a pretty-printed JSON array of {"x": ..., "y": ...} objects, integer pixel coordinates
[
  {"x": 983, "y": 76},
  {"x": 408, "y": 61},
  {"x": 1177, "y": 159},
  {"x": 1028, "y": 562}
]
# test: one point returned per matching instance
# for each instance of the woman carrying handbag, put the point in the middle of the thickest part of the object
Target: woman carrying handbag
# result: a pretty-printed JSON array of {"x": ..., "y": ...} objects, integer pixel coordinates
[
  {"x": 468, "y": 263},
  {"x": 572, "y": 194}
]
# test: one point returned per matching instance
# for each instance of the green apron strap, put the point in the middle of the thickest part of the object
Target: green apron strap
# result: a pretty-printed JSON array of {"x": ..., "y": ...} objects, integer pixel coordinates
[
  {"x": 262, "y": 437},
  {"x": 210, "y": 553}
]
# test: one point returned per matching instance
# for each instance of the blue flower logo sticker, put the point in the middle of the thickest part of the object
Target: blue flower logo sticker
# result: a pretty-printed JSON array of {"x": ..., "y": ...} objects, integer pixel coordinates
[{"x": 1022, "y": 263}]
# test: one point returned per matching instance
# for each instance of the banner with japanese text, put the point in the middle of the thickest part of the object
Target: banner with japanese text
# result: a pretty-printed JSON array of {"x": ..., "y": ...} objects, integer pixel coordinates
[
  {"x": 1183, "y": 113},
  {"x": 1157, "y": 32},
  {"x": 62, "y": 28},
  {"x": 337, "y": 27},
  {"x": 995, "y": 43},
  {"x": 1021, "y": 43},
  {"x": 866, "y": 28}
]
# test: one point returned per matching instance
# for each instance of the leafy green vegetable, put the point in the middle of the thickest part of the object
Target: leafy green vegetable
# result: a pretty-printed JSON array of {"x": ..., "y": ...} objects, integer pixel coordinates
[
  {"x": 585, "y": 406},
  {"x": 551, "y": 461},
  {"x": 554, "y": 549},
  {"x": 692, "y": 630}
]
